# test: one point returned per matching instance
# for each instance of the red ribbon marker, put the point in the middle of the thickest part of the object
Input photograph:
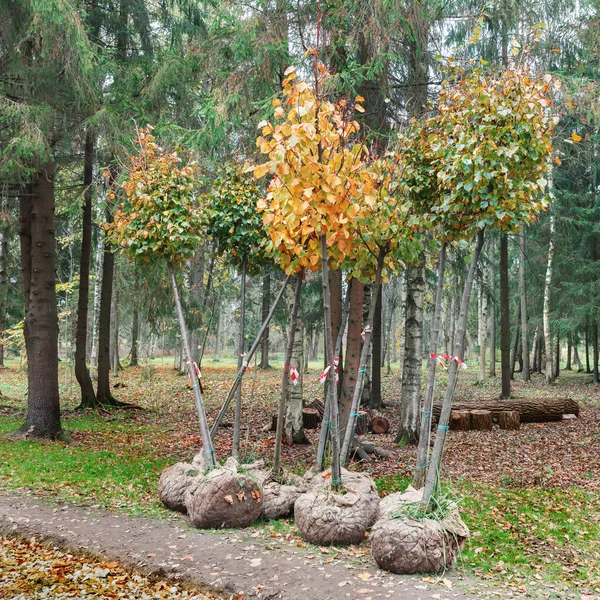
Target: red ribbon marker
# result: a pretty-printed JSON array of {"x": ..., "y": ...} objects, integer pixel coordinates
[{"x": 294, "y": 375}]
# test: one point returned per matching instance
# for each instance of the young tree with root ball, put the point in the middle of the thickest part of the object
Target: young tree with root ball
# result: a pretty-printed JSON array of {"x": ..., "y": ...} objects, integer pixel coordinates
[
  {"x": 160, "y": 220},
  {"x": 315, "y": 160},
  {"x": 487, "y": 154}
]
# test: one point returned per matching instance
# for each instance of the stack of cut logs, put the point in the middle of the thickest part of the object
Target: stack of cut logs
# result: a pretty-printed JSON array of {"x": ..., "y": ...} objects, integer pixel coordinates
[{"x": 509, "y": 414}]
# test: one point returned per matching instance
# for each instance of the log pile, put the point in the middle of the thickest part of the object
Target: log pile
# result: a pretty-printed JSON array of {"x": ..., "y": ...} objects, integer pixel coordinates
[{"x": 531, "y": 410}]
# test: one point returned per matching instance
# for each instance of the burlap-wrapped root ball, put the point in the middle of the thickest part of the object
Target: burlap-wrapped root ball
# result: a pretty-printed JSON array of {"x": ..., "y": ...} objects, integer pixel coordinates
[
  {"x": 326, "y": 517},
  {"x": 225, "y": 498},
  {"x": 404, "y": 545},
  {"x": 175, "y": 482},
  {"x": 279, "y": 500}
]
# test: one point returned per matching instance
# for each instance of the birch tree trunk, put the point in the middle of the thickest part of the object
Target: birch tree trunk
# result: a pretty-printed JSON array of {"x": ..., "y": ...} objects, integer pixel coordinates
[
  {"x": 492, "y": 310},
  {"x": 504, "y": 317},
  {"x": 483, "y": 322},
  {"x": 240, "y": 348},
  {"x": 546, "y": 310},
  {"x": 410, "y": 400},
  {"x": 93, "y": 340},
  {"x": 4, "y": 234},
  {"x": 266, "y": 303}
]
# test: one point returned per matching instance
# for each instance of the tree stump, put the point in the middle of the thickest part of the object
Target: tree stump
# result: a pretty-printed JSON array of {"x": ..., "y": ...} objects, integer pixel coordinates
[
  {"x": 362, "y": 423},
  {"x": 380, "y": 425},
  {"x": 460, "y": 420},
  {"x": 311, "y": 418},
  {"x": 481, "y": 420},
  {"x": 509, "y": 420},
  {"x": 318, "y": 405}
]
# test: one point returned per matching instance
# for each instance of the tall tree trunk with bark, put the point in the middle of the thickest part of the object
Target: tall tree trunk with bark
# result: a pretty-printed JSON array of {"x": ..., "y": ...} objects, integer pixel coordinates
[
  {"x": 569, "y": 366},
  {"x": 240, "y": 348},
  {"x": 4, "y": 260},
  {"x": 596, "y": 378},
  {"x": 266, "y": 304},
  {"x": 523, "y": 297},
  {"x": 38, "y": 261},
  {"x": 504, "y": 317},
  {"x": 576, "y": 359},
  {"x": 114, "y": 309},
  {"x": 353, "y": 344},
  {"x": 294, "y": 426},
  {"x": 587, "y": 347},
  {"x": 492, "y": 310},
  {"x": 135, "y": 332},
  {"x": 375, "y": 401},
  {"x": 546, "y": 310},
  {"x": 88, "y": 396},
  {"x": 95, "y": 324},
  {"x": 483, "y": 322},
  {"x": 410, "y": 400},
  {"x": 103, "y": 394},
  {"x": 557, "y": 363},
  {"x": 216, "y": 355}
]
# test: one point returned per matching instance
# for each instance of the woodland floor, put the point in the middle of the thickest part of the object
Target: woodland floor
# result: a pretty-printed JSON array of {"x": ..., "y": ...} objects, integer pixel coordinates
[{"x": 531, "y": 498}]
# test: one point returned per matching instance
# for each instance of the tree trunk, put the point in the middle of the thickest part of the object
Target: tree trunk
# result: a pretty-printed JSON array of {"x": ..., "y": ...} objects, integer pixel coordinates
[
  {"x": 88, "y": 396},
  {"x": 216, "y": 357},
  {"x": 587, "y": 347},
  {"x": 492, "y": 311},
  {"x": 375, "y": 401},
  {"x": 483, "y": 321},
  {"x": 135, "y": 331},
  {"x": 595, "y": 349},
  {"x": 352, "y": 358},
  {"x": 504, "y": 317},
  {"x": 208, "y": 450},
  {"x": 410, "y": 399},
  {"x": 576, "y": 359},
  {"x": 515, "y": 351},
  {"x": 425, "y": 433},
  {"x": 4, "y": 263},
  {"x": 294, "y": 424},
  {"x": 364, "y": 355},
  {"x": 568, "y": 366},
  {"x": 240, "y": 348},
  {"x": 285, "y": 377},
  {"x": 38, "y": 260},
  {"x": 402, "y": 352},
  {"x": 557, "y": 364},
  {"x": 546, "y": 310},
  {"x": 336, "y": 474},
  {"x": 266, "y": 303},
  {"x": 438, "y": 448},
  {"x": 95, "y": 325},
  {"x": 534, "y": 364},
  {"x": 103, "y": 394},
  {"x": 523, "y": 297},
  {"x": 116, "y": 363}
]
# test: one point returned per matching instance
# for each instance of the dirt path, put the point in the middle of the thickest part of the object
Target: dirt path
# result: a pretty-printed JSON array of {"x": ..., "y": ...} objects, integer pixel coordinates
[{"x": 235, "y": 562}]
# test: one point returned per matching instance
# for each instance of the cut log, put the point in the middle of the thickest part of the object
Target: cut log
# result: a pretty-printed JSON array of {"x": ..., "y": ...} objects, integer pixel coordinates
[
  {"x": 380, "y": 425},
  {"x": 531, "y": 410},
  {"x": 273, "y": 423},
  {"x": 362, "y": 422},
  {"x": 318, "y": 405},
  {"x": 510, "y": 420},
  {"x": 481, "y": 420},
  {"x": 311, "y": 418},
  {"x": 460, "y": 420}
]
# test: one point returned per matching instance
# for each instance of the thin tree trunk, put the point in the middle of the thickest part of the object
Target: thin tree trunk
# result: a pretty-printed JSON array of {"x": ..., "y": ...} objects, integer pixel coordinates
[
  {"x": 266, "y": 302},
  {"x": 402, "y": 352},
  {"x": 38, "y": 260},
  {"x": 410, "y": 400},
  {"x": 4, "y": 262},
  {"x": 492, "y": 311},
  {"x": 216, "y": 357},
  {"x": 438, "y": 448},
  {"x": 534, "y": 364},
  {"x": 595, "y": 350},
  {"x": 240, "y": 347},
  {"x": 115, "y": 329},
  {"x": 135, "y": 331},
  {"x": 103, "y": 394},
  {"x": 568, "y": 367},
  {"x": 576, "y": 359},
  {"x": 208, "y": 449},
  {"x": 504, "y": 317},
  {"x": 375, "y": 401},
  {"x": 95, "y": 325},
  {"x": 546, "y": 310},
  {"x": 425, "y": 432},
  {"x": 336, "y": 474},
  {"x": 285, "y": 377},
  {"x": 557, "y": 364},
  {"x": 587, "y": 347},
  {"x": 515, "y": 351},
  {"x": 364, "y": 355},
  {"x": 523, "y": 296},
  {"x": 240, "y": 373},
  {"x": 88, "y": 396},
  {"x": 483, "y": 322}
]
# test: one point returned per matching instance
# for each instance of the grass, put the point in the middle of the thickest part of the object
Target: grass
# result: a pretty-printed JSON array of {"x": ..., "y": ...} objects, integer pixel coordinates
[{"x": 524, "y": 538}]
